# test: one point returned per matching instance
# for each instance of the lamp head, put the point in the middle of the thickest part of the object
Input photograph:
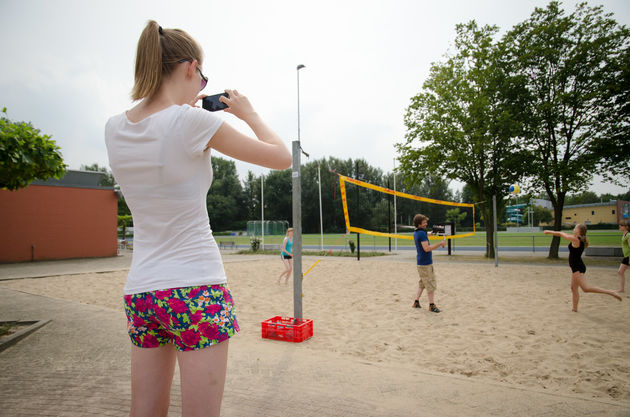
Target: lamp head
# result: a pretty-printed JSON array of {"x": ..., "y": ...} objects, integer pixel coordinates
[{"x": 299, "y": 67}]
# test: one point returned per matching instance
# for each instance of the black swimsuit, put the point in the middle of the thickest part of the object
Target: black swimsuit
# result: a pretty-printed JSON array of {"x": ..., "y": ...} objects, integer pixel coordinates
[{"x": 575, "y": 258}]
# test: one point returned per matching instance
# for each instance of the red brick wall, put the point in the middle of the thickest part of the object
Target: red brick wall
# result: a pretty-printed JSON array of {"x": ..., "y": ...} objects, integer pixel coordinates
[{"x": 47, "y": 222}]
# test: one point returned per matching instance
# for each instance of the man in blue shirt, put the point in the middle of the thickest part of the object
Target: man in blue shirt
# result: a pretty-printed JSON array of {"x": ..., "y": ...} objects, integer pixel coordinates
[{"x": 424, "y": 260}]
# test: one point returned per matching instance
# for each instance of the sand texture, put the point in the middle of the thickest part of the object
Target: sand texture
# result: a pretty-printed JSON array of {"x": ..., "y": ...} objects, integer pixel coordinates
[{"x": 510, "y": 324}]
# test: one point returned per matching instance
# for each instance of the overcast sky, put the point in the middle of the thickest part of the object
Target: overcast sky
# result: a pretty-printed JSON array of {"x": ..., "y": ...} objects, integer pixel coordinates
[{"x": 68, "y": 65}]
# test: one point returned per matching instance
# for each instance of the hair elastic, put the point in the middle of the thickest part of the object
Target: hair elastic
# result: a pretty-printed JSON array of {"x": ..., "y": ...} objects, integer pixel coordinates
[{"x": 160, "y": 30}]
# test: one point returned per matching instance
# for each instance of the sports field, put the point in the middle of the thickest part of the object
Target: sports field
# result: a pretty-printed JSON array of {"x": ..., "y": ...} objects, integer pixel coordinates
[{"x": 596, "y": 238}]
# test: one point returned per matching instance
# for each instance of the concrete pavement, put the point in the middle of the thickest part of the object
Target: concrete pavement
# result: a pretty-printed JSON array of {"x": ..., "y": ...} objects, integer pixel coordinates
[{"x": 78, "y": 365}]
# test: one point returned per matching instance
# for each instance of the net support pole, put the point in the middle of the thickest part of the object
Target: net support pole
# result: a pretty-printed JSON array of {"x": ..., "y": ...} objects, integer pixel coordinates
[
  {"x": 297, "y": 231},
  {"x": 321, "y": 219},
  {"x": 358, "y": 235},
  {"x": 262, "y": 211},
  {"x": 494, "y": 220}
]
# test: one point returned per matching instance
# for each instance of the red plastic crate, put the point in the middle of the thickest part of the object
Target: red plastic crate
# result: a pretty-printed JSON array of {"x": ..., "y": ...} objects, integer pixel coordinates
[{"x": 287, "y": 329}]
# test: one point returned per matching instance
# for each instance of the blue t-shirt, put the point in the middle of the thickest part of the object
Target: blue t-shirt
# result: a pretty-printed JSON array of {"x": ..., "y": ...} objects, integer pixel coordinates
[{"x": 423, "y": 257}]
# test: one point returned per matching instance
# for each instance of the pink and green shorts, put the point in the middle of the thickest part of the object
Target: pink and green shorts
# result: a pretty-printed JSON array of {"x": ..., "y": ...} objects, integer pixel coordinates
[{"x": 191, "y": 318}]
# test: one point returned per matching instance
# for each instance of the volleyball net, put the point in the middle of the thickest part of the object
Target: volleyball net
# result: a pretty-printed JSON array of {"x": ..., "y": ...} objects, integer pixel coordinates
[{"x": 367, "y": 209}]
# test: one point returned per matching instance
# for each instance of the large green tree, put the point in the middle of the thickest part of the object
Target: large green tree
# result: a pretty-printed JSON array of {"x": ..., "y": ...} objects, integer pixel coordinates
[
  {"x": 26, "y": 155},
  {"x": 459, "y": 128},
  {"x": 225, "y": 200},
  {"x": 564, "y": 73}
]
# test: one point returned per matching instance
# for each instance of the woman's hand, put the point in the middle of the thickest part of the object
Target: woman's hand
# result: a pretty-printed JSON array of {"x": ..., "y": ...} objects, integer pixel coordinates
[
  {"x": 238, "y": 105},
  {"x": 196, "y": 100}
]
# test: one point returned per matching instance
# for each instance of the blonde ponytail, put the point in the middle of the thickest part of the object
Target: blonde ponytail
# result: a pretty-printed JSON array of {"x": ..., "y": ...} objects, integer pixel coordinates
[{"x": 159, "y": 51}]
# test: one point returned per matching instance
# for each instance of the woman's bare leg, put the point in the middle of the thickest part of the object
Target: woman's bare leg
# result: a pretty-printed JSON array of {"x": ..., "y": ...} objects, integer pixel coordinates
[
  {"x": 575, "y": 289},
  {"x": 151, "y": 378},
  {"x": 202, "y": 375},
  {"x": 622, "y": 277},
  {"x": 289, "y": 265},
  {"x": 287, "y": 270},
  {"x": 587, "y": 288}
]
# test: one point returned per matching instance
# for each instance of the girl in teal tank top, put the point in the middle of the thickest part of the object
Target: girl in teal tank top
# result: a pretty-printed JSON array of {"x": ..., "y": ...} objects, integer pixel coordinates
[{"x": 286, "y": 254}]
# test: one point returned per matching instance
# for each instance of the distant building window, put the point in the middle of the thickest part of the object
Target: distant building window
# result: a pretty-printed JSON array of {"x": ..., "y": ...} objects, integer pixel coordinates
[
  {"x": 575, "y": 214},
  {"x": 588, "y": 222},
  {"x": 593, "y": 212},
  {"x": 568, "y": 218},
  {"x": 613, "y": 211}
]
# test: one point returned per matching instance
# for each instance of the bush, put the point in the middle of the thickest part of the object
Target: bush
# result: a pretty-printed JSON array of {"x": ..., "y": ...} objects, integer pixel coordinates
[
  {"x": 351, "y": 244},
  {"x": 26, "y": 155},
  {"x": 254, "y": 242}
]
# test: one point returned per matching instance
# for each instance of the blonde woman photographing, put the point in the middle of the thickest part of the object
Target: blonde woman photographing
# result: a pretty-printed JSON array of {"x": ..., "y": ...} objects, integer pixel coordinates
[{"x": 178, "y": 305}]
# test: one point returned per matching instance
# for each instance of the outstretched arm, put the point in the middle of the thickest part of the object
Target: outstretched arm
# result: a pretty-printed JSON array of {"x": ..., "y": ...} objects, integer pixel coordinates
[{"x": 570, "y": 238}]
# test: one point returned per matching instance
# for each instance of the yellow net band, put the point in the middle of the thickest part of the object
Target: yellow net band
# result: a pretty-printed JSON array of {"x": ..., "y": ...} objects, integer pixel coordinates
[{"x": 352, "y": 229}]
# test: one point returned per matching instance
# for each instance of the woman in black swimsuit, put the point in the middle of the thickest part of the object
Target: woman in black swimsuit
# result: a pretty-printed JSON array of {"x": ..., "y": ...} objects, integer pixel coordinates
[{"x": 579, "y": 242}]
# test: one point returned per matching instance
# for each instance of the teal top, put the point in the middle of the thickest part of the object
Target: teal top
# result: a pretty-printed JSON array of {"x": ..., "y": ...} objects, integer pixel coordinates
[
  {"x": 624, "y": 244},
  {"x": 289, "y": 246}
]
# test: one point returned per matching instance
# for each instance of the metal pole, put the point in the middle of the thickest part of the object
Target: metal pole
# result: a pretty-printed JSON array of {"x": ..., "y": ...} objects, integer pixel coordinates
[
  {"x": 395, "y": 214},
  {"x": 496, "y": 245},
  {"x": 297, "y": 232},
  {"x": 299, "y": 67},
  {"x": 262, "y": 211},
  {"x": 321, "y": 219},
  {"x": 389, "y": 216},
  {"x": 358, "y": 235}
]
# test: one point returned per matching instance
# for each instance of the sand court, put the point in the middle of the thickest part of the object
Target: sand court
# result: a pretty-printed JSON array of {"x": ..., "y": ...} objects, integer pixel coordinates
[{"x": 510, "y": 324}]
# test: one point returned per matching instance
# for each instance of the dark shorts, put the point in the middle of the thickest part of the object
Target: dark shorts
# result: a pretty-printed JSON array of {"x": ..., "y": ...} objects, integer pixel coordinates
[
  {"x": 578, "y": 268},
  {"x": 625, "y": 261},
  {"x": 191, "y": 317},
  {"x": 284, "y": 256}
]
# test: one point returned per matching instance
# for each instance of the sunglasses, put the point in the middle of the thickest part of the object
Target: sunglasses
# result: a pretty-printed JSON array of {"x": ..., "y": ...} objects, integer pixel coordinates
[{"x": 204, "y": 79}]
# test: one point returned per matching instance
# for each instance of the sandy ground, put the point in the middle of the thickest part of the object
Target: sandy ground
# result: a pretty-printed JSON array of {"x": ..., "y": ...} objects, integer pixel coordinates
[{"x": 511, "y": 324}]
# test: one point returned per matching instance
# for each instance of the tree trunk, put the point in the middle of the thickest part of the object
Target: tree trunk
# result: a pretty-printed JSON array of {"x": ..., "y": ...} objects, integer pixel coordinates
[
  {"x": 557, "y": 225},
  {"x": 488, "y": 216}
]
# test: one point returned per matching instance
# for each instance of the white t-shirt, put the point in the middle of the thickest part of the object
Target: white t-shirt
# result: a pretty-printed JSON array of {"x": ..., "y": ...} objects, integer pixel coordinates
[{"x": 164, "y": 174}]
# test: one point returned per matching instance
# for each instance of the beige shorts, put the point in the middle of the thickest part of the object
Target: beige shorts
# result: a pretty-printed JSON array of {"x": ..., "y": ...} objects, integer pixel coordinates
[{"x": 427, "y": 277}]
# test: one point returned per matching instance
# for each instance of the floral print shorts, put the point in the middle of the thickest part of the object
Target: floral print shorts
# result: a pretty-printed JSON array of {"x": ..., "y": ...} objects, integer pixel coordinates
[{"x": 191, "y": 317}]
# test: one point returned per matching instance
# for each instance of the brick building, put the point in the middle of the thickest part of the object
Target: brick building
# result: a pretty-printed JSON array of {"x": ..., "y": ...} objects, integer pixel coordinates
[{"x": 73, "y": 217}]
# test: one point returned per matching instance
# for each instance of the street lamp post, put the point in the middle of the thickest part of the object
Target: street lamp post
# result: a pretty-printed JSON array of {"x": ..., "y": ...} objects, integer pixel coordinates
[
  {"x": 297, "y": 215},
  {"x": 299, "y": 67}
]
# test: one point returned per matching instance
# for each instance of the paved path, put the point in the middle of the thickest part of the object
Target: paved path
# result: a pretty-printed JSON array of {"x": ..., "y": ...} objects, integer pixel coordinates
[{"x": 78, "y": 365}]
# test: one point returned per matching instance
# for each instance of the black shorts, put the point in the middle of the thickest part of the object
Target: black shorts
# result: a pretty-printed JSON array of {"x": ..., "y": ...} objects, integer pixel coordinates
[
  {"x": 625, "y": 261},
  {"x": 284, "y": 256}
]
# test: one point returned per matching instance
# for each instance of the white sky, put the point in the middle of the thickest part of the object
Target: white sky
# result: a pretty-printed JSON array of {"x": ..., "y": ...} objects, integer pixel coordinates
[{"x": 68, "y": 65}]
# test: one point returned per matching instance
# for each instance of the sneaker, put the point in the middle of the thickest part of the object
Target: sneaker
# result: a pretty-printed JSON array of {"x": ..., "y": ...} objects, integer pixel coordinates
[
  {"x": 434, "y": 308},
  {"x": 416, "y": 304}
]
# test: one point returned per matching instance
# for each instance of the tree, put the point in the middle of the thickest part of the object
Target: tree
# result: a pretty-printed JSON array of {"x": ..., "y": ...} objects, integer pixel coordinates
[
  {"x": 251, "y": 194},
  {"x": 585, "y": 197},
  {"x": 562, "y": 72},
  {"x": 542, "y": 215},
  {"x": 453, "y": 215},
  {"x": 26, "y": 155},
  {"x": 459, "y": 127},
  {"x": 278, "y": 192},
  {"x": 225, "y": 200},
  {"x": 108, "y": 180}
]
